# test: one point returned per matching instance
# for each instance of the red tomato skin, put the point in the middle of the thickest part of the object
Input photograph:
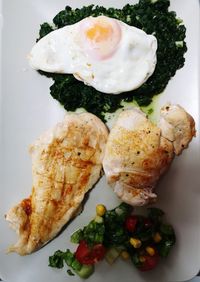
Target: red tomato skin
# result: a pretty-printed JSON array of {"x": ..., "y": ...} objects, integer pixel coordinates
[
  {"x": 130, "y": 223},
  {"x": 150, "y": 263},
  {"x": 82, "y": 251},
  {"x": 98, "y": 252},
  {"x": 89, "y": 255}
]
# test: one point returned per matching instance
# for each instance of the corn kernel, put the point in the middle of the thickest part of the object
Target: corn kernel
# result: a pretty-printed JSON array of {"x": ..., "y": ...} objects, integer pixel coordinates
[
  {"x": 142, "y": 259},
  {"x": 157, "y": 237},
  {"x": 136, "y": 243},
  {"x": 125, "y": 255},
  {"x": 150, "y": 251},
  {"x": 100, "y": 210}
]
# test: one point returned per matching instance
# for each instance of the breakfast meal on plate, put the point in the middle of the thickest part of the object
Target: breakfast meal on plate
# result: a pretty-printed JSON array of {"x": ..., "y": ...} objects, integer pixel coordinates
[
  {"x": 66, "y": 163},
  {"x": 116, "y": 52},
  {"x": 138, "y": 152},
  {"x": 115, "y": 233},
  {"x": 104, "y": 53}
]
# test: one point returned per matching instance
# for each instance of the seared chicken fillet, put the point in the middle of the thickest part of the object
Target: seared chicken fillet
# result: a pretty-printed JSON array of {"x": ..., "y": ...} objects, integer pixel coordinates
[
  {"x": 139, "y": 152},
  {"x": 177, "y": 126},
  {"x": 66, "y": 163}
]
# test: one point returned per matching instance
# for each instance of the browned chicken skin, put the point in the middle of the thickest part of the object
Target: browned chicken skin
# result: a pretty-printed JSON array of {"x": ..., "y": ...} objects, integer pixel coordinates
[
  {"x": 66, "y": 163},
  {"x": 139, "y": 152}
]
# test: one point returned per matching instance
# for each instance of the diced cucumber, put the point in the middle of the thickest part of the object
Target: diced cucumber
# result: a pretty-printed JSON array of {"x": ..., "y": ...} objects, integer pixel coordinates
[
  {"x": 112, "y": 254},
  {"x": 85, "y": 271},
  {"x": 98, "y": 219},
  {"x": 76, "y": 265},
  {"x": 68, "y": 257}
]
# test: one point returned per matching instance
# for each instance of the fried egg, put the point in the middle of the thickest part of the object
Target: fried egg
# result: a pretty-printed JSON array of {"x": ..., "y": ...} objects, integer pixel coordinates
[{"x": 103, "y": 52}]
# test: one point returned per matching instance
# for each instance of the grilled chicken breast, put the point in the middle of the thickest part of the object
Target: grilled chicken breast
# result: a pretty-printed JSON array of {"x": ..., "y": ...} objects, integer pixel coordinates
[
  {"x": 66, "y": 163},
  {"x": 139, "y": 152}
]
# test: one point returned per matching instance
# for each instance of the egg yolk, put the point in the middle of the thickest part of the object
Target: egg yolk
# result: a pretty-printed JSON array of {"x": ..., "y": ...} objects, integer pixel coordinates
[
  {"x": 99, "y": 32},
  {"x": 101, "y": 36}
]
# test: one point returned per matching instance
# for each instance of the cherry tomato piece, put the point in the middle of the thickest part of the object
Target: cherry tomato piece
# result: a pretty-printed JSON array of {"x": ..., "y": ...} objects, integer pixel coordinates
[
  {"x": 86, "y": 255},
  {"x": 82, "y": 251},
  {"x": 149, "y": 263},
  {"x": 98, "y": 252},
  {"x": 130, "y": 223}
]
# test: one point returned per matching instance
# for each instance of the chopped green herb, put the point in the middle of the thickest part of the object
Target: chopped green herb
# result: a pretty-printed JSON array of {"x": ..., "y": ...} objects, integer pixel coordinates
[
  {"x": 165, "y": 248},
  {"x": 70, "y": 272},
  {"x": 146, "y": 235},
  {"x": 92, "y": 233},
  {"x": 56, "y": 260},
  {"x": 136, "y": 260},
  {"x": 166, "y": 229},
  {"x": 115, "y": 234},
  {"x": 68, "y": 257},
  {"x": 150, "y": 111},
  {"x": 77, "y": 236},
  {"x": 155, "y": 214}
]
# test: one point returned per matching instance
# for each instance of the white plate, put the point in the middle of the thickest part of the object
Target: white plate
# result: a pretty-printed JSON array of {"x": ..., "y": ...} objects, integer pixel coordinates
[{"x": 27, "y": 110}]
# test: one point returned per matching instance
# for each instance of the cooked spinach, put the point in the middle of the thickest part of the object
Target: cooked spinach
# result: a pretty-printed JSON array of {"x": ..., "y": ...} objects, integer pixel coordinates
[
  {"x": 45, "y": 28},
  {"x": 151, "y": 16}
]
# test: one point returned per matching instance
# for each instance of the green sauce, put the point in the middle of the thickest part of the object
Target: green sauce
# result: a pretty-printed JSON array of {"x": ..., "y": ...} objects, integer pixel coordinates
[{"x": 152, "y": 110}]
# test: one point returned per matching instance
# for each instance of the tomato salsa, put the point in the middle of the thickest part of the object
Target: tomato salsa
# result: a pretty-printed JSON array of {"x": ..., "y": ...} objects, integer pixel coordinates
[{"x": 143, "y": 239}]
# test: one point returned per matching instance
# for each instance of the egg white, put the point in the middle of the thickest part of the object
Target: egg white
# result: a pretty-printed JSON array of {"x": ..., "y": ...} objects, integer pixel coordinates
[{"x": 62, "y": 51}]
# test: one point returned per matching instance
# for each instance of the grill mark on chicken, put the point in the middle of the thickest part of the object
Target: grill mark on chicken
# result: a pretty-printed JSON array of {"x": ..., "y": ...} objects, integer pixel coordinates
[{"x": 61, "y": 177}]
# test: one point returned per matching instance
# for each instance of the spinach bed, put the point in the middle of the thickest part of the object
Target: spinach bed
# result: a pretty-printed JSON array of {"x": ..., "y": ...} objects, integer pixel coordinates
[{"x": 152, "y": 16}]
